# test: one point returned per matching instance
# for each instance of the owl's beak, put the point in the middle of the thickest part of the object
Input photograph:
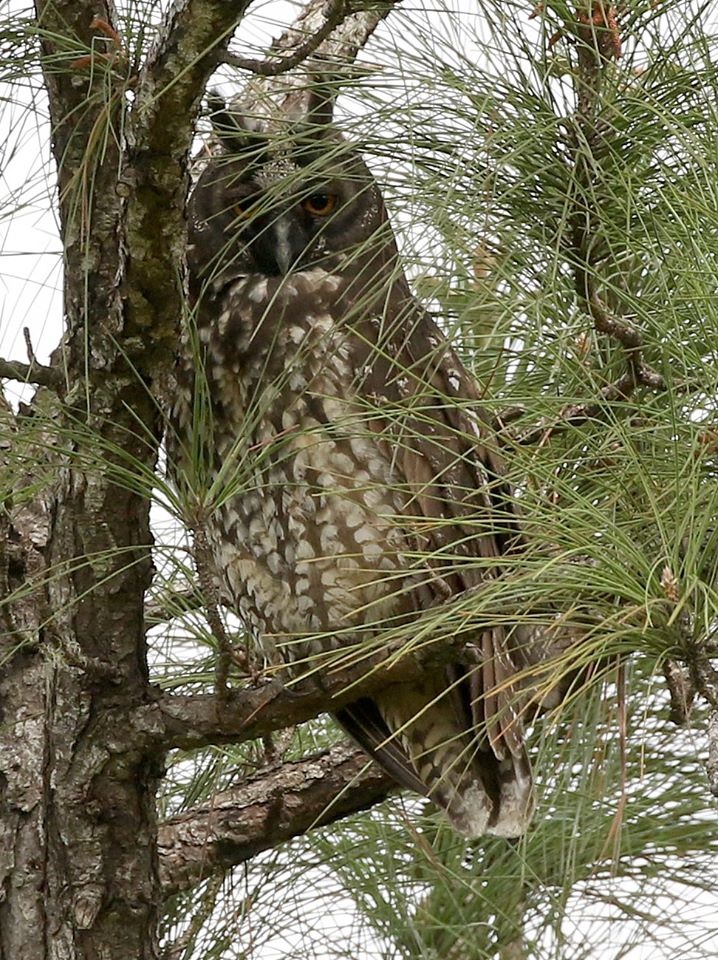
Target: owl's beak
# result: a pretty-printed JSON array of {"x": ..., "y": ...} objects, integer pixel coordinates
[
  {"x": 284, "y": 252},
  {"x": 278, "y": 246}
]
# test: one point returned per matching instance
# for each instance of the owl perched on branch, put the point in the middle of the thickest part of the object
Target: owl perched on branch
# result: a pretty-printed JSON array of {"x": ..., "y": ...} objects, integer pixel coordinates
[{"x": 352, "y": 479}]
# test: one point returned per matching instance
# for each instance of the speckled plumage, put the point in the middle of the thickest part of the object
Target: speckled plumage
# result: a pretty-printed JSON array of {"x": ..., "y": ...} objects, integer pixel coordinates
[{"x": 354, "y": 479}]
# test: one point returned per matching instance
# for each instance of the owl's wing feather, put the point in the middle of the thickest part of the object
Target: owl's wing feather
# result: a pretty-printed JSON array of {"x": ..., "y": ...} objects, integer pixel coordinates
[
  {"x": 363, "y": 721},
  {"x": 459, "y": 478},
  {"x": 464, "y": 744}
]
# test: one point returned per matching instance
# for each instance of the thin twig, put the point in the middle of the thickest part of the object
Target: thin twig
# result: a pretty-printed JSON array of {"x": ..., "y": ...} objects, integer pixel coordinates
[
  {"x": 28, "y": 345},
  {"x": 208, "y": 586},
  {"x": 277, "y": 66},
  {"x": 712, "y": 759},
  {"x": 328, "y": 31},
  {"x": 598, "y": 38},
  {"x": 171, "y": 604},
  {"x": 574, "y": 413},
  {"x": 642, "y": 375},
  {"x": 681, "y": 690}
]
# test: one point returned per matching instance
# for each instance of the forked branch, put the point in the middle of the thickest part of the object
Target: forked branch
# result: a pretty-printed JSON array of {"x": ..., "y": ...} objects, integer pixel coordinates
[
  {"x": 33, "y": 372},
  {"x": 336, "y": 11}
]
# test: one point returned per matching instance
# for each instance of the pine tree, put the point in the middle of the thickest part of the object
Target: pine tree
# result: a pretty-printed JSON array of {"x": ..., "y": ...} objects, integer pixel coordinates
[{"x": 552, "y": 174}]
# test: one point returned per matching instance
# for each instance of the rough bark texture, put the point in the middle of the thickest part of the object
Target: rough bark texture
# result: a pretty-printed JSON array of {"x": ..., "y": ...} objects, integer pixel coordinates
[
  {"x": 23, "y": 697},
  {"x": 198, "y": 720},
  {"x": 78, "y": 861},
  {"x": 275, "y": 806}
]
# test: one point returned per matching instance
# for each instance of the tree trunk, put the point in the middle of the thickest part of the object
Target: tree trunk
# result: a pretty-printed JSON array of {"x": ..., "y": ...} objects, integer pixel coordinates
[{"x": 78, "y": 869}]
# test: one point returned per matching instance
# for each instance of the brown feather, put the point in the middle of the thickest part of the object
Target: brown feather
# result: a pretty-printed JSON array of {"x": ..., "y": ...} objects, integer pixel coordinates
[{"x": 343, "y": 439}]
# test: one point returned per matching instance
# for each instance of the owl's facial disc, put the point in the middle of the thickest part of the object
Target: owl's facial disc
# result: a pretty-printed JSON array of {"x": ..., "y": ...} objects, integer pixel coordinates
[
  {"x": 285, "y": 199},
  {"x": 289, "y": 233},
  {"x": 283, "y": 241}
]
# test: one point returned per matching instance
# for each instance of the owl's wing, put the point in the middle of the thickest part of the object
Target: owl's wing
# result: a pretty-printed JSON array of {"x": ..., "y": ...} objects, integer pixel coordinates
[
  {"x": 451, "y": 465},
  {"x": 458, "y": 732}
]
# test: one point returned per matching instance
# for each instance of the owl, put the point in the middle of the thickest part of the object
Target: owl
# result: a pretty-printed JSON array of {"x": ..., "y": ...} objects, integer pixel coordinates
[{"x": 350, "y": 478}]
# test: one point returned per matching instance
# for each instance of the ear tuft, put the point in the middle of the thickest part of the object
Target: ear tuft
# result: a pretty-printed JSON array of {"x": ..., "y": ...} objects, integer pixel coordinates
[
  {"x": 231, "y": 129},
  {"x": 321, "y": 96},
  {"x": 224, "y": 122},
  {"x": 312, "y": 106}
]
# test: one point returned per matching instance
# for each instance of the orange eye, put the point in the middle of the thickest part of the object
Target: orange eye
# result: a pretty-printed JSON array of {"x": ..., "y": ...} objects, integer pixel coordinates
[
  {"x": 244, "y": 205},
  {"x": 320, "y": 204},
  {"x": 242, "y": 209}
]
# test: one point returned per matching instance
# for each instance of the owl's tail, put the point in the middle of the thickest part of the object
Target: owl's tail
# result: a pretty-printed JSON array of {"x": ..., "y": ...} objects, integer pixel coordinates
[{"x": 426, "y": 736}]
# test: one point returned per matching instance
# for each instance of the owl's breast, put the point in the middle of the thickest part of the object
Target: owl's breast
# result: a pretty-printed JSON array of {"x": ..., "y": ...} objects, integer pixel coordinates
[{"x": 308, "y": 527}]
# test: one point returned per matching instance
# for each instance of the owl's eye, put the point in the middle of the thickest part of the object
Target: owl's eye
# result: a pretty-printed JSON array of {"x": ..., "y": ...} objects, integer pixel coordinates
[
  {"x": 242, "y": 209},
  {"x": 320, "y": 204}
]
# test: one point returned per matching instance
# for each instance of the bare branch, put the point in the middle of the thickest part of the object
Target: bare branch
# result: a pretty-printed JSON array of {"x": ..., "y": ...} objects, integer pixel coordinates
[
  {"x": 190, "y": 721},
  {"x": 32, "y": 372},
  {"x": 167, "y": 605},
  {"x": 574, "y": 413},
  {"x": 681, "y": 691},
  {"x": 629, "y": 337},
  {"x": 336, "y": 11},
  {"x": 712, "y": 760},
  {"x": 210, "y": 590},
  {"x": 599, "y": 43},
  {"x": 270, "y": 808},
  {"x": 28, "y": 345},
  {"x": 338, "y": 46}
]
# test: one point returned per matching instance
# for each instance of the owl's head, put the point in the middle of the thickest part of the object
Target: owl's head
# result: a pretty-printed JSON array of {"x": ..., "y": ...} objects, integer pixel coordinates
[{"x": 286, "y": 194}]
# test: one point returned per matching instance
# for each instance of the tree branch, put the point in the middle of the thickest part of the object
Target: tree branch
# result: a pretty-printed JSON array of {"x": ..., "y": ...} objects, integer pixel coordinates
[
  {"x": 712, "y": 758},
  {"x": 155, "y": 179},
  {"x": 270, "y": 808},
  {"x": 336, "y": 11},
  {"x": 574, "y": 414},
  {"x": 682, "y": 692},
  {"x": 337, "y": 46},
  {"x": 190, "y": 721},
  {"x": 598, "y": 44},
  {"x": 68, "y": 34},
  {"x": 173, "y": 79},
  {"x": 33, "y": 372}
]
